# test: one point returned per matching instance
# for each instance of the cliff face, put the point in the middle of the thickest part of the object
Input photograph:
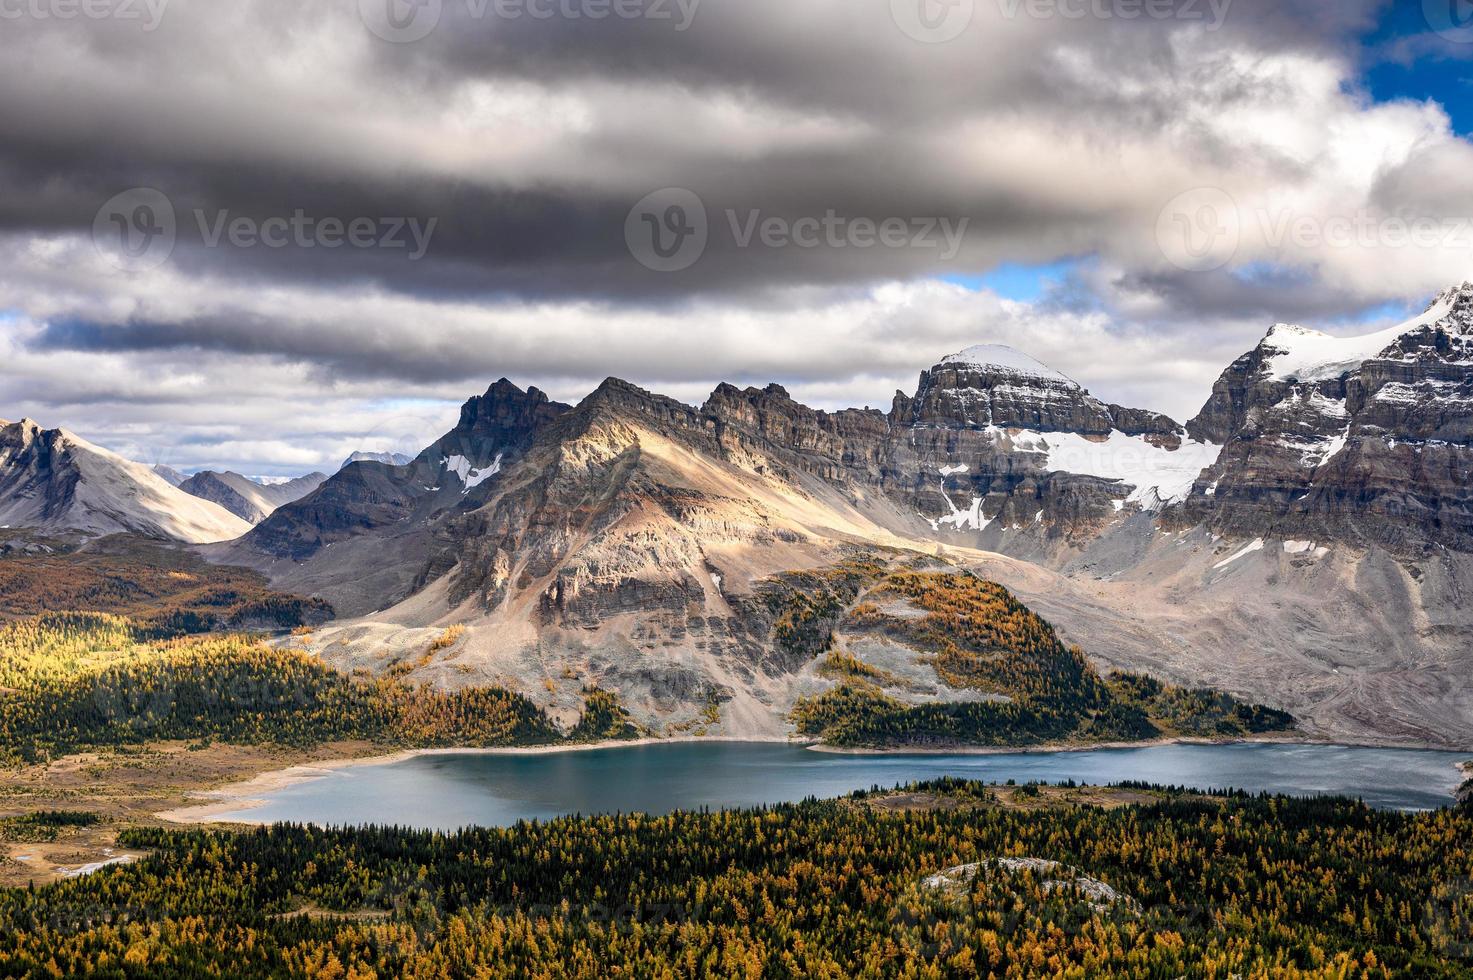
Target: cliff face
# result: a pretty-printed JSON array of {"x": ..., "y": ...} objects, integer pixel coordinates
[
  {"x": 1001, "y": 388},
  {"x": 1368, "y": 440},
  {"x": 994, "y": 439}
]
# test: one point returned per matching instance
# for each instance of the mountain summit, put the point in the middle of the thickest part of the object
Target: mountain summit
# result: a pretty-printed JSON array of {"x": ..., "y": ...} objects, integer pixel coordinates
[
  {"x": 1364, "y": 438},
  {"x": 51, "y": 480}
]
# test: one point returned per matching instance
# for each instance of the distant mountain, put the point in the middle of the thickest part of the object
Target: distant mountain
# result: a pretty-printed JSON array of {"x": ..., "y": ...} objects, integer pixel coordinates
[
  {"x": 171, "y": 476},
  {"x": 54, "y": 481},
  {"x": 388, "y": 459},
  {"x": 246, "y": 498}
]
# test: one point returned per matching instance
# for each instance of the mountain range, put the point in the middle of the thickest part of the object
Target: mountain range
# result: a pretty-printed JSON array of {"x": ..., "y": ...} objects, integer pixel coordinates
[{"x": 1304, "y": 541}]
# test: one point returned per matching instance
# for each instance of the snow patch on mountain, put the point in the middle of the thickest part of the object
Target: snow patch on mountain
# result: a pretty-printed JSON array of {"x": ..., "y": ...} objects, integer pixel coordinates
[
  {"x": 1255, "y": 545},
  {"x": 960, "y": 520},
  {"x": 469, "y": 475},
  {"x": 1158, "y": 476}
]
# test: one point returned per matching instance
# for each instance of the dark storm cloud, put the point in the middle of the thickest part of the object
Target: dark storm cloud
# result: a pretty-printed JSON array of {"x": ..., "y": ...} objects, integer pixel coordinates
[
  {"x": 197, "y": 110},
  {"x": 519, "y": 145}
]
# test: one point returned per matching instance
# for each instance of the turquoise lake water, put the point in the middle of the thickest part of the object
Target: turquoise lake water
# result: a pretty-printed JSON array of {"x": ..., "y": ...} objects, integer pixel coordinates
[{"x": 449, "y": 791}]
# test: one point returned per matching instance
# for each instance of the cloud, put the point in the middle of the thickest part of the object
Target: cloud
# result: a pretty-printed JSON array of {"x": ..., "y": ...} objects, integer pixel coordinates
[{"x": 527, "y": 140}]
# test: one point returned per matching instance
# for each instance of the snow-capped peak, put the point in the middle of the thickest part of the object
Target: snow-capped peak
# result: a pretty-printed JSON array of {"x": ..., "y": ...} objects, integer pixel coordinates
[
  {"x": 1004, "y": 358},
  {"x": 1298, "y": 353}
]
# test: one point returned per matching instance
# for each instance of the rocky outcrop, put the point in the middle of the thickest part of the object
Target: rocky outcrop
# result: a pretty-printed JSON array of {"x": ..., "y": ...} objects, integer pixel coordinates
[
  {"x": 850, "y": 445},
  {"x": 998, "y": 387},
  {"x": 995, "y": 440},
  {"x": 1159, "y": 430}
]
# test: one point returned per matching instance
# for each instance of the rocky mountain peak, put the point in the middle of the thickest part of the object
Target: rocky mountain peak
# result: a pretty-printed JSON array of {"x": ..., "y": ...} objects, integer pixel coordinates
[
  {"x": 1348, "y": 436},
  {"x": 249, "y": 499},
  {"x": 53, "y": 480},
  {"x": 505, "y": 405},
  {"x": 387, "y": 458},
  {"x": 504, "y": 420},
  {"x": 1454, "y": 309},
  {"x": 994, "y": 386}
]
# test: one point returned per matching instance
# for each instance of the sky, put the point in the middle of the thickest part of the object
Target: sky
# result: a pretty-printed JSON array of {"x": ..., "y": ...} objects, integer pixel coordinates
[{"x": 261, "y": 235}]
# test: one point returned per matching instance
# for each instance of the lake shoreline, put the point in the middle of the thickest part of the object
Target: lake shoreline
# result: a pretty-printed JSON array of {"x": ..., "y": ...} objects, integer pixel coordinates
[
  {"x": 244, "y": 795},
  {"x": 238, "y": 798}
]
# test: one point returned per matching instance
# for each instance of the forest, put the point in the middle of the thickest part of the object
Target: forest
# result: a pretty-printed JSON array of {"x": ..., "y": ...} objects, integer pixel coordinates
[
  {"x": 1215, "y": 886},
  {"x": 74, "y": 680}
]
